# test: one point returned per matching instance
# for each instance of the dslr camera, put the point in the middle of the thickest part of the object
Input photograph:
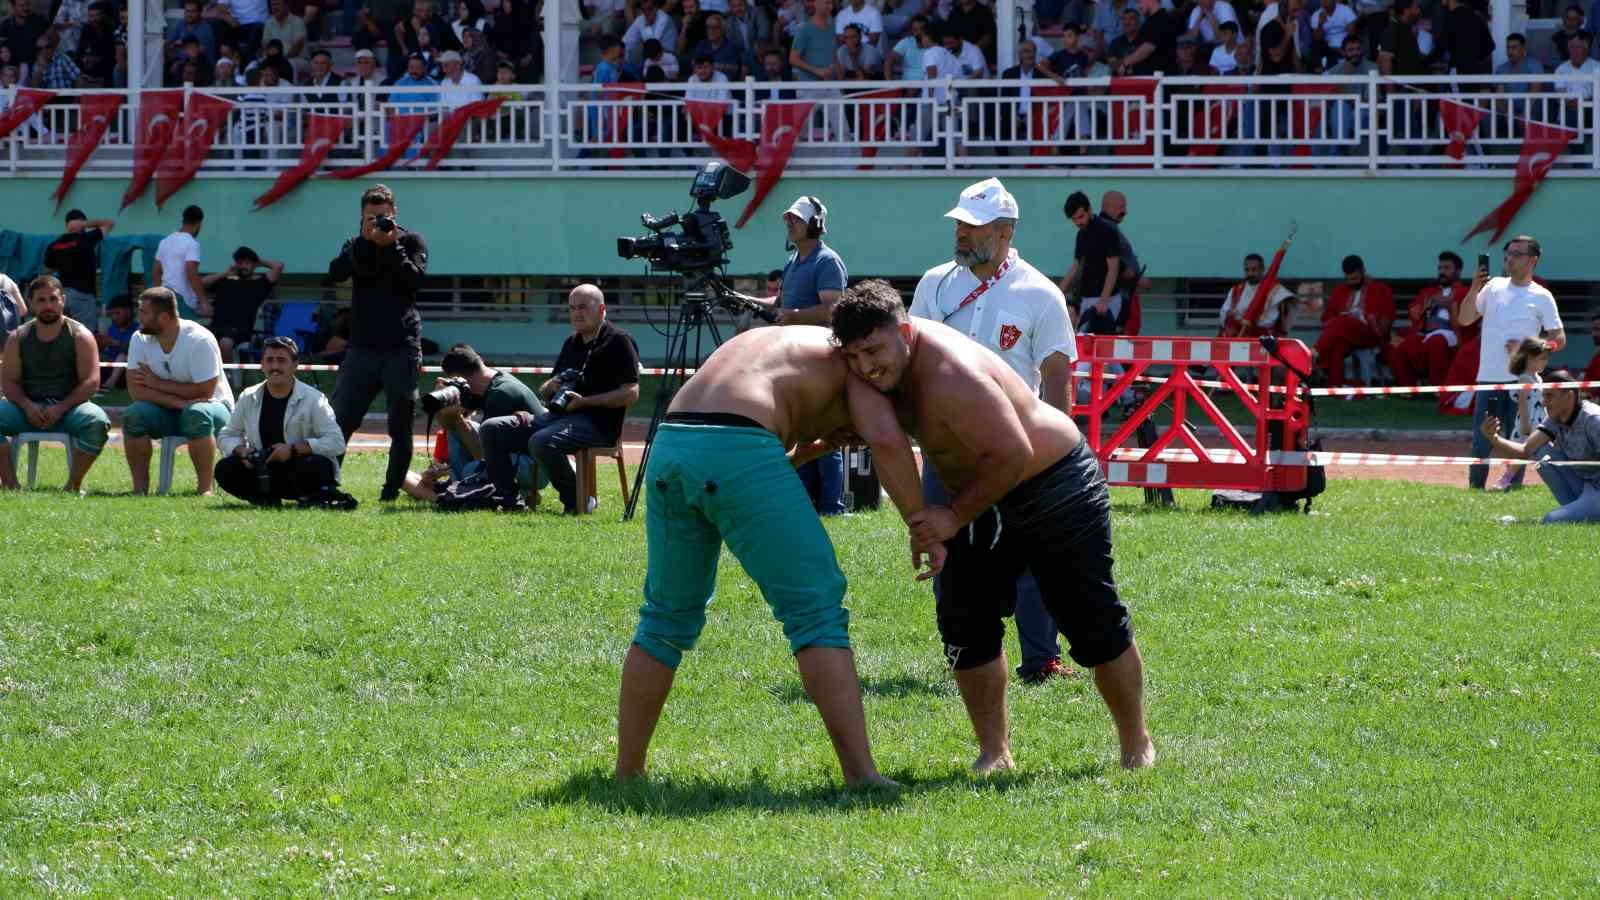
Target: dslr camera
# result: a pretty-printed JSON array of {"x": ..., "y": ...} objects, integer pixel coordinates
[
  {"x": 455, "y": 392},
  {"x": 384, "y": 224},
  {"x": 567, "y": 378},
  {"x": 258, "y": 465}
]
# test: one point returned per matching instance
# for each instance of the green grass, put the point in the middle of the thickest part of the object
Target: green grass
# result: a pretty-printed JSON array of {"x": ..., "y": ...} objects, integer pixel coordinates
[{"x": 1394, "y": 696}]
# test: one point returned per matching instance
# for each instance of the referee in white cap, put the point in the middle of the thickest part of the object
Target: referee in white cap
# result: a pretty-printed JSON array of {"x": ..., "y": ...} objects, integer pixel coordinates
[{"x": 999, "y": 300}]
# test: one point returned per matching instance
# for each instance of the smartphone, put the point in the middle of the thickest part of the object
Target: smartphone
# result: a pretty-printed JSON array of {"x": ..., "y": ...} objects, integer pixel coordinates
[{"x": 1483, "y": 261}]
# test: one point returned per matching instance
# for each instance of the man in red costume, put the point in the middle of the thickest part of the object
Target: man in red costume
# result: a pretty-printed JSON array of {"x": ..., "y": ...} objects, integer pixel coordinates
[
  {"x": 1430, "y": 344},
  {"x": 1254, "y": 306},
  {"x": 1357, "y": 317}
]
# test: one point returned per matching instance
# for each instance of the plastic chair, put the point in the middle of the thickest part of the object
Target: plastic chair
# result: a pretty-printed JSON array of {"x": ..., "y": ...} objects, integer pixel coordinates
[
  {"x": 32, "y": 439},
  {"x": 296, "y": 320},
  {"x": 169, "y": 458}
]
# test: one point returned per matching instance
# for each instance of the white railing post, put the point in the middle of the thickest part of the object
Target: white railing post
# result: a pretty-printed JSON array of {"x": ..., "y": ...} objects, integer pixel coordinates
[
  {"x": 951, "y": 126},
  {"x": 1594, "y": 107},
  {"x": 14, "y": 140},
  {"x": 1372, "y": 121},
  {"x": 747, "y": 119},
  {"x": 1157, "y": 116}
]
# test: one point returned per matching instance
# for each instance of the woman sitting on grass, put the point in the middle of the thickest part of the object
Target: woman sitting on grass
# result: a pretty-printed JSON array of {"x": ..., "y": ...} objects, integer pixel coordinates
[{"x": 1571, "y": 431}]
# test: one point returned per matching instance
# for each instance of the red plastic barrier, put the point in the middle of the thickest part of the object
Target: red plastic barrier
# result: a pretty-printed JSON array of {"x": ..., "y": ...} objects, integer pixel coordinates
[{"x": 1247, "y": 463}]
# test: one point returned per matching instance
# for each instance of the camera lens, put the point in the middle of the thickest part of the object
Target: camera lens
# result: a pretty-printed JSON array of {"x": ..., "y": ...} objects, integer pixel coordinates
[{"x": 434, "y": 401}]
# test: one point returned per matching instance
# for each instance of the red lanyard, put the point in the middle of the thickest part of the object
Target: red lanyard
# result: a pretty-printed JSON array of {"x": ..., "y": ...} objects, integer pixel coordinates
[{"x": 981, "y": 289}]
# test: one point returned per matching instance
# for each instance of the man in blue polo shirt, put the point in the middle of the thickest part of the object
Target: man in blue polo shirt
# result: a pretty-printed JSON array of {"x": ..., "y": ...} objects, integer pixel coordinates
[{"x": 813, "y": 280}]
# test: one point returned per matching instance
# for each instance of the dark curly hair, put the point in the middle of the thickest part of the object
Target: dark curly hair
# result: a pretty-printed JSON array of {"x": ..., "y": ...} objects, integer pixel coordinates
[{"x": 865, "y": 308}]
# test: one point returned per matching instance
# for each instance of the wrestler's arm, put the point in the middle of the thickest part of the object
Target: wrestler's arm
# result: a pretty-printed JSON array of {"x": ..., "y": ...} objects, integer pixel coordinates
[
  {"x": 986, "y": 430},
  {"x": 872, "y": 414}
]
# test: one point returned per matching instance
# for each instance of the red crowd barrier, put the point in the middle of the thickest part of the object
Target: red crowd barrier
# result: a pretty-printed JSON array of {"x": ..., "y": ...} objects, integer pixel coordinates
[{"x": 1247, "y": 463}]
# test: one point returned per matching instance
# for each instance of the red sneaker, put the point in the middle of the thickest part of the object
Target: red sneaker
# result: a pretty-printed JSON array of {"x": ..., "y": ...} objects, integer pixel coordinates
[{"x": 1051, "y": 669}]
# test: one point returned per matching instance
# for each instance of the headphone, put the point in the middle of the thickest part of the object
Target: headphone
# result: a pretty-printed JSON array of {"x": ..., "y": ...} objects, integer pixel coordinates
[{"x": 817, "y": 225}]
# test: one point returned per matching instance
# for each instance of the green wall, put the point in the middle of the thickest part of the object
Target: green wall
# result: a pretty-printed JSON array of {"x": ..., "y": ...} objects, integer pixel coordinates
[{"x": 1194, "y": 226}]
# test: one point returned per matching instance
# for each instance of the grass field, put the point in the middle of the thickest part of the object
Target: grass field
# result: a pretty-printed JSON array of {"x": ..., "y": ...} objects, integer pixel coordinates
[{"x": 1395, "y": 696}]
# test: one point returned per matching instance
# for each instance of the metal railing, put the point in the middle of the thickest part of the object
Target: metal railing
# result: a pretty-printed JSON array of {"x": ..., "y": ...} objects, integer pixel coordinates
[{"x": 1305, "y": 124}]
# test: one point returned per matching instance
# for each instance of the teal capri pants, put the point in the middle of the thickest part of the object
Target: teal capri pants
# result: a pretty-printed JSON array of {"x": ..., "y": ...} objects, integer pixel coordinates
[
  {"x": 201, "y": 419},
  {"x": 713, "y": 483},
  {"x": 86, "y": 424}
]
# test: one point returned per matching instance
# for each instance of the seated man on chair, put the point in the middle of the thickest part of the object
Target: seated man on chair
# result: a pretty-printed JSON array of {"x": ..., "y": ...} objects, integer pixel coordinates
[
  {"x": 293, "y": 424},
  {"x": 237, "y": 293},
  {"x": 175, "y": 380},
  {"x": 597, "y": 378},
  {"x": 49, "y": 371},
  {"x": 472, "y": 386}
]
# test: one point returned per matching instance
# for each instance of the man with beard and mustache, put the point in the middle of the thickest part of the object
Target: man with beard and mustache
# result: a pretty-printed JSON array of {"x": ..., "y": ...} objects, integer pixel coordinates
[
  {"x": 294, "y": 423},
  {"x": 50, "y": 369},
  {"x": 992, "y": 295},
  {"x": 176, "y": 382},
  {"x": 1429, "y": 345},
  {"x": 1247, "y": 311},
  {"x": 1026, "y": 494}
]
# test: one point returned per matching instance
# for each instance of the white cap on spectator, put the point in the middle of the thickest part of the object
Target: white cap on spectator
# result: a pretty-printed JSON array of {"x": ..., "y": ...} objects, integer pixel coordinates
[
  {"x": 984, "y": 202},
  {"x": 449, "y": 56},
  {"x": 366, "y": 54}
]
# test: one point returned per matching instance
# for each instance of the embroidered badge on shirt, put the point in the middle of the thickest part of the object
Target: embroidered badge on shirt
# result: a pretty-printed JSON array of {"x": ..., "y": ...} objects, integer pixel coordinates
[{"x": 1009, "y": 335}]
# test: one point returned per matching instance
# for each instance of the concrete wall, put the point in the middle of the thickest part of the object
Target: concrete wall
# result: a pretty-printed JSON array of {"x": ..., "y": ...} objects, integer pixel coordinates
[{"x": 1193, "y": 226}]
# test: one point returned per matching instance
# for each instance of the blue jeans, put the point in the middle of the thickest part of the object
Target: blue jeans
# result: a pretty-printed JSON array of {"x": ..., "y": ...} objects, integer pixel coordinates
[
  {"x": 462, "y": 465},
  {"x": 1579, "y": 499},
  {"x": 1485, "y": 404},
  {"x": 1036, "y": 631},
  {"x": 824, "y": 481},
  {"x": 548, "y": 437}
]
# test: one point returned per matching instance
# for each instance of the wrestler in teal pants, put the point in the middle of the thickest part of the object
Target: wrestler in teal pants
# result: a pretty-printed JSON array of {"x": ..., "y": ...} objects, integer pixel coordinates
[{"x": 709, "y": 484}]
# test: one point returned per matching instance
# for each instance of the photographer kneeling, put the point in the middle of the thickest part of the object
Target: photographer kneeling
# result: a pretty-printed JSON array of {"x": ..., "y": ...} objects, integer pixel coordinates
[
  {"x": 1569, "y": 433},
  {"x": 282, "y": 441},
  {"x": 470, "y": 386},
  {"x": 597, "y": 378}
]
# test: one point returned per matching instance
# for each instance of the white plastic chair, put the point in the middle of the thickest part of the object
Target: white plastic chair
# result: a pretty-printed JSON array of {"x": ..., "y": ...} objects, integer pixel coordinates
[{"x": 32, "y": 440}]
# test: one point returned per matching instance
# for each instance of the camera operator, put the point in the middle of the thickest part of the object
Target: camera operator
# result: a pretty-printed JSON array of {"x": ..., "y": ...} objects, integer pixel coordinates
[
  {"x": 469, "y": 386},
  {"x": 282, "y": 441},
  {"x": 812, "y": 281},
  {"x": 597, "y": 378},
  {"x": 387, "y": 264}
]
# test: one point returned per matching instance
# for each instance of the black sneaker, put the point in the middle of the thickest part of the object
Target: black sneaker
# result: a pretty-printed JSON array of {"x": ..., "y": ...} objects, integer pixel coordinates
[{"x": 389, "y": 495}]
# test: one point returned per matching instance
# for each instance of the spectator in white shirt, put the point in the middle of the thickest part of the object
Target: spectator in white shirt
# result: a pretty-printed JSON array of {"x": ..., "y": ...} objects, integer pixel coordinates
[
  {"x": 1329, "y": 24},
  {"x": 468, "y": 86},
  {"x": 1205, "y": 18},
  {"x": 859, "y": 13},
  {"x": 1224, "y": 59},
  {"x": 705, "y": 73},
  {"x": 650, "y": 23},
  {"x": 1580, "y": 90}
]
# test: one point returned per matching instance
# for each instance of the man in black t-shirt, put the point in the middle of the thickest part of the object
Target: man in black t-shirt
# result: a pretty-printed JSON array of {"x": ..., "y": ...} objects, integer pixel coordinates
[
  {"x": 237, "y": 293},
  {"x": 1157, "y": 50},
  {"x": 1096, "y": 263},
  {"x": 75, "y": 258},
  {"x": 596, "y": 380},
  {"x": 293, "y": 423}
]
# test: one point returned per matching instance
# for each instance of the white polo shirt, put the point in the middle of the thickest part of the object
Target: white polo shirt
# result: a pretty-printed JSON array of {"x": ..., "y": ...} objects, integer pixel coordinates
[
  {"x": 195, "y": 357},
  {"x": 1022, "y": 316},
  {"x": 1241, "y": 295},
  {"x": 1510, "y": 313}
]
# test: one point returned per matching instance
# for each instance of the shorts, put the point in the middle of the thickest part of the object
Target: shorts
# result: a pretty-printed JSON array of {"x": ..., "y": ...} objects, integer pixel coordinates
[
  {"x": 201, "y": 419},
  {"x": 709, "y": 484},
  {"x": 239, "y": 336},
  {"x": 86, "y": 425},
  {"x": 1058, "y": 525}
]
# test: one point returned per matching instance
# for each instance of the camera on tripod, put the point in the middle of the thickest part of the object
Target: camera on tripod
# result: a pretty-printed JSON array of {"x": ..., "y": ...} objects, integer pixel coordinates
[
  {"x": 702, "y": 236},
  {"x": 454, "y": 392}
]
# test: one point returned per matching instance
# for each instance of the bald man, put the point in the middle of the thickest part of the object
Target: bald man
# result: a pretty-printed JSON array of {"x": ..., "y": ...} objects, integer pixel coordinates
[
  {"x": 596, "y": 380},
  {"x": 723, "y": 470}
]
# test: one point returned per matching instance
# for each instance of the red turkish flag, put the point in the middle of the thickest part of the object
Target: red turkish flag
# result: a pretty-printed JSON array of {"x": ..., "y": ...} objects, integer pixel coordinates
[
  {"x": 27, "y": 102},
  {"x": 706, "y": 117},
  {"x": 322, "y": 132},
  {"x": 1044, "y": 116},
  {"x": 1305, "y": 116},
  {"x": 1541, "y": 144},
  {"x": 874, "y": 118},
  {"x": 1129, "y": 119},
  {"x": 159, "y": 114},
  {"x": 95, "y": 114},
  {"x": 190, "y": 145},
  {"x": 1460, "y": 122},
  {"x": 1211, "y": 118},
  {"x": 404, "y": 128},
  {"x": 438, "y": 145},
  {"x": 611, "y": 123},
  {"x": 781, "y": 125}
]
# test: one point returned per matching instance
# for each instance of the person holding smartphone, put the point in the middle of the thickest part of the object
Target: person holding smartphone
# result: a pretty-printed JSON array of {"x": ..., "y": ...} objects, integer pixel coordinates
[
  {"x": 385, "y": 264},
  {"x": 1513, "y": 307}
]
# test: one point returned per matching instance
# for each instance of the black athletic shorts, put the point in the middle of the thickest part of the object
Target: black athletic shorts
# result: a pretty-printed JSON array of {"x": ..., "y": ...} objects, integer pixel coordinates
[{"x": 1058, "y": 524}]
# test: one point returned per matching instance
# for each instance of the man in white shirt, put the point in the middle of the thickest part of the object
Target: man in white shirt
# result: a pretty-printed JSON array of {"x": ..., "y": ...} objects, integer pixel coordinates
[
  {"x": 178, "y": 265},
  {"x": 468, "y": 86},
  {"x": 1580, "y": 89},
  {"x": 1241, "y": 295},
  {"x": 1207, "y": 15},
  {"x": 1224, "y": 60},
  {"x": 705, "y": 73},
  {"x": 992, "y": 295},
  {"x": 859, "y": 13},
  {"x": 1513, "y": 307},
  {"x": 175, "y": 380},
  {"x": 1329, "y": 24},
  {"x": 293, "y": 423},
  {"x": 650, "y": 23}
]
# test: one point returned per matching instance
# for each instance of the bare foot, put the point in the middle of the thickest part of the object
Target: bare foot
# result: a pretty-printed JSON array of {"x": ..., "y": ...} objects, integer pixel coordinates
[
  {"x": 11, "y": 486},
  {"x": 990, "y": 763},
  {"x": 1141, "y": 756},
  {"x": 874, "y": 780},
  {"x": 205, "y": 493}
]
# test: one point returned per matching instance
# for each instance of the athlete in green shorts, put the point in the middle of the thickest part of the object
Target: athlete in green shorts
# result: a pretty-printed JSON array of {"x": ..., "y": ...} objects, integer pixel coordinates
[{"x": 722, "y": 470}]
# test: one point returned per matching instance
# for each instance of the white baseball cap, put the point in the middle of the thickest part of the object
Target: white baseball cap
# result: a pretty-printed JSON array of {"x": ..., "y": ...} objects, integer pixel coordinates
[
  {"x": 805, "y": 208},
  {"x": 449, "y": 56},
  {"x": 984, "y": 202}
]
